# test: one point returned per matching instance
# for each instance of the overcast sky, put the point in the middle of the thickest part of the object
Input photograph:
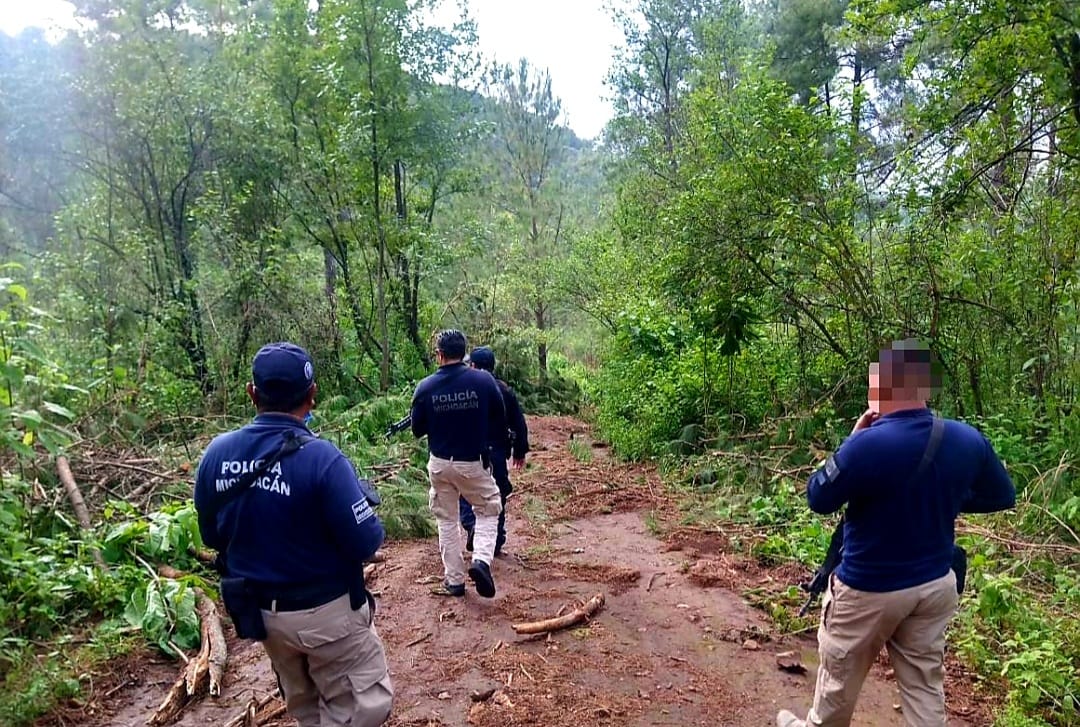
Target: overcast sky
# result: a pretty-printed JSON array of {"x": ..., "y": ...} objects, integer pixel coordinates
[{"x": 572, "y": 38}]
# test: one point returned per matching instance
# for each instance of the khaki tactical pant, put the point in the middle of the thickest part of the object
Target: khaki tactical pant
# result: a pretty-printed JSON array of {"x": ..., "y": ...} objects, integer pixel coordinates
[
  {"x": 330, "y": 664},
  {"x": 910, "y": 623},
  {"x": 451, "y": 479}
]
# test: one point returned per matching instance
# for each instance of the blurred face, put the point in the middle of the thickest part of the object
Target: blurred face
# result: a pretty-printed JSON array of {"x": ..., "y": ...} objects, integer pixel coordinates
[
  {"x": 873, "y": 389},
  {"x": 893, "y": 381}
]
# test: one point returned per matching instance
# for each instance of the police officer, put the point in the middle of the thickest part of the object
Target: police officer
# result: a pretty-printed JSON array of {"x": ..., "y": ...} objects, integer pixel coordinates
[
  {"x": 895, "y": 586},
  {"x": 458, "y": 408},
  {"x": 514, "y": 440},
  {"x": 294, "y": 539}
]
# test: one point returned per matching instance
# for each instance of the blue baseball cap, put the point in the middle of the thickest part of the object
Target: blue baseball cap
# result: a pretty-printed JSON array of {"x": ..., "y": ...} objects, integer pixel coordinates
[
  {"x": 483, "y": 358},
  {"x": 282, "y": 371}
]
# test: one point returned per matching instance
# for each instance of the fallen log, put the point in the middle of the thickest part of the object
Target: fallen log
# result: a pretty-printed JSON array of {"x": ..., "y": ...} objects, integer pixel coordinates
[
  {"x": 214, "y": 634},
  {"x": 82, "y": 514},
  {"x": 202, "y": 674},
  {"x": 582, "y": 613}
]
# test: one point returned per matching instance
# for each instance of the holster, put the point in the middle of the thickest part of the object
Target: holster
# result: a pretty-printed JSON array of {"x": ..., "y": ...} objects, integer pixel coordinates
[
  {"x": 959, "y": 566},
  {"x": 242, "y": 604},
  {"x": 359, "y": 594}
]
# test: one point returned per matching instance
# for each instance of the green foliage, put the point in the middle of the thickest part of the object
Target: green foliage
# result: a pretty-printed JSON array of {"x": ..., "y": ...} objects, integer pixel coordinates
[
  {"x": 359, "y": 431},
  {"x": 32, "y": 384},
  {"x": 1017, "y": 637},
  {"x": 580, "y": 449},
  {"x": 165, "y": 612},
  {"x": 789, "y": 184},
  {"x": 34, "y": 684}
]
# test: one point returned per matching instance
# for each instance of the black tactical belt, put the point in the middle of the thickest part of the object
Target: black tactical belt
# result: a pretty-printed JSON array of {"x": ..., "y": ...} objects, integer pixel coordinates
[{"x": 470, "y": 458}]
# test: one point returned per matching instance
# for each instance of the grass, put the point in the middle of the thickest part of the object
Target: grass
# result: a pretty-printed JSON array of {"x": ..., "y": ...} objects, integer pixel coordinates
[
  {"x": 580, "y": 449},
  {"x": 536, "y": 511},
  {"x": 37, "y": 683},
  {"x": 652, "y": 524},
  {"x": 538, "y": 551}
]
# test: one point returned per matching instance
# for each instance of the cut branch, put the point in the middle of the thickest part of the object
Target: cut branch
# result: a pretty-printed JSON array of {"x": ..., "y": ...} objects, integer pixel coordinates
[
  {"x": 578, "y": 615},
  {"x": 208, "y": 557},
  {"x": 260, "y": 711},
  {"x": 77, "y": 503},
  {"x": 202, "y": 674}
]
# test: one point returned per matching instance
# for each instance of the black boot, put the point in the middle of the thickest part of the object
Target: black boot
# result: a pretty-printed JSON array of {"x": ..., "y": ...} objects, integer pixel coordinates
[{"x": 480, "y": 572}]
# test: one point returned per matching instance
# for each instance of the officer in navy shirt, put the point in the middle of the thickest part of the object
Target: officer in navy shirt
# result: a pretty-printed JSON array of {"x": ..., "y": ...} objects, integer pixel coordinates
[
  {"x": 295, "y": 541},
  {"x": 459, "y": 408},
  {"x": 894, "y": 586},
  {"x": 511, "y": 443}
]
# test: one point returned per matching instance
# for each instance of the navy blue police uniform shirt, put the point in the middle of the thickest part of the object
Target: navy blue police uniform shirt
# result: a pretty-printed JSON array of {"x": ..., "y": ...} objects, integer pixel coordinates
[
  {"x": 304, "y": 522},
  {"x": 458, "y": 408},
  {"x": 899, "y": 531},
  {"x": 515, "y": 422}
]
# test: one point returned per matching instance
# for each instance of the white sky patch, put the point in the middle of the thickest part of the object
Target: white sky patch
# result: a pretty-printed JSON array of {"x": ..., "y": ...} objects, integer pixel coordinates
[
  {"x": 573, "y": 39},
  {"x": 55, "y": 16}
]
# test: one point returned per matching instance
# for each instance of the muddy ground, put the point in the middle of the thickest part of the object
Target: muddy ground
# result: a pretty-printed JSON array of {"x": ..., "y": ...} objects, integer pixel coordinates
[{"x": 676, "y": 643}]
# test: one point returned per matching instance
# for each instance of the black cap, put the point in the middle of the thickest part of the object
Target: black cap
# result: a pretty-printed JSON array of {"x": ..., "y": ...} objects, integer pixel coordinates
[
  {"x": 482, "y": 357},
  {"x": 282, "y": 371}
]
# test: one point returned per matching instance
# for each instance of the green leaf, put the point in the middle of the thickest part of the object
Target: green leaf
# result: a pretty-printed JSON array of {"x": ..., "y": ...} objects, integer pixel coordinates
[
  {"x": 58, "y": 409},
  {"x": 155, "y": 618},
  {"x": 30, "y": 416}
]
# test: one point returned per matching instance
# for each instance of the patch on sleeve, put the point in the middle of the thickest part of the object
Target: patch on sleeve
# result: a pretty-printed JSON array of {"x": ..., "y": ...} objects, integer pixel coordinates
[
  {"x": 361, "y": 511},
  {"x": 832, "y": 470}
]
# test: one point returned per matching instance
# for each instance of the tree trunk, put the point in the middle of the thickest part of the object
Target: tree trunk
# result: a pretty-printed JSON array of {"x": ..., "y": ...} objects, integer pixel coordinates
[
  {"x": 380, "y": 231},
  {"x": 541, "y": 346},
  {"x": 330, "y": 293}
]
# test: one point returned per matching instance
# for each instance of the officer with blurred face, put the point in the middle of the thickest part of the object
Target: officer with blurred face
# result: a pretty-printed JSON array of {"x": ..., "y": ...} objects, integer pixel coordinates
[
  {"x": 512, "y": 441},
  {"x": 459, "y": 408},
  {"x": 895, "y": 585},
  {"x": 288, "y": 514}
]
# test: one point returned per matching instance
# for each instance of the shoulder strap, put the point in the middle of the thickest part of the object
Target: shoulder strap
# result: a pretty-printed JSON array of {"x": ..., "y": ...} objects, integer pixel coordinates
[
  {"x": 937, "y": 433},
  {"x": 291, "y": 443}
]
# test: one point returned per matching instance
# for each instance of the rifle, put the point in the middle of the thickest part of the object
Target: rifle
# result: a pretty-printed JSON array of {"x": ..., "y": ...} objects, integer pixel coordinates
[
  {"x": 820, "y": 581},
  {"x": 399, "y": 426}
]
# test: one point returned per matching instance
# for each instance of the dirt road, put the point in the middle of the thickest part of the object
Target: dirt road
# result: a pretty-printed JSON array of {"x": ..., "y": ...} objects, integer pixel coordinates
[{"x": 675, "y": 644}]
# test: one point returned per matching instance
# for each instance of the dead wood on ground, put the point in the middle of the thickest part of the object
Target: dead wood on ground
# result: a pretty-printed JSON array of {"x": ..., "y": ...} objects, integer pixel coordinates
[
  {"x": 82, "y": 514},
  {"x": 204, "y": 673},
  {"x": 259, "y": 711},
  {"x": 582, "y": 613}
]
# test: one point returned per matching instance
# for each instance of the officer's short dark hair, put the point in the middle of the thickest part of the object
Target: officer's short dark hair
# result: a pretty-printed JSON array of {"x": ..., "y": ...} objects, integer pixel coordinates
[{"x": 451, "y": 343}]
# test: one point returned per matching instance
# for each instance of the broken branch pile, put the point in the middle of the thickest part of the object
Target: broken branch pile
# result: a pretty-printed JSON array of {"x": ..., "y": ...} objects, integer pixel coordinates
[{"x": 200, "y": 675}]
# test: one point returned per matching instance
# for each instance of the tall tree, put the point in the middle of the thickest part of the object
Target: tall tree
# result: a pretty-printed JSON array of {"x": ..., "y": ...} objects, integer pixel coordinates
[{"x": 531, "y": 141}]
